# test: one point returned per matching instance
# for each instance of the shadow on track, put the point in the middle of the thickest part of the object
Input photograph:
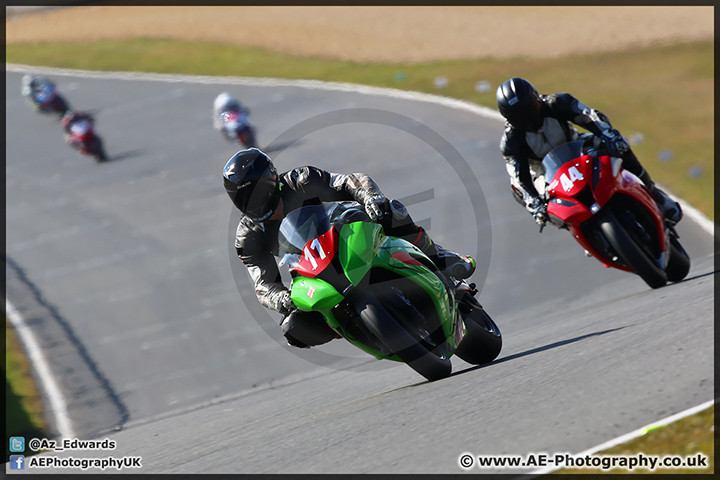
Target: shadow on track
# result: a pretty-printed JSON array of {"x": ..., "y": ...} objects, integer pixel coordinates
[
  {"x": 280, "y": 146},
  {"x": 516, "y": 356},
  {"x": 538, "y": 350},
  {"x": 95, "y": 406},
  {"x": 121, "y": 156}
]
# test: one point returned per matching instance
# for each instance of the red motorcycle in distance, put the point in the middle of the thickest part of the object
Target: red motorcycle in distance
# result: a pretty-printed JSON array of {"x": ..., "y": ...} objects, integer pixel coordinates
[
  {"x": 80, "y": 134},
  {"x": 236, "y": 127},
  {"x": 611, "y": 213}
]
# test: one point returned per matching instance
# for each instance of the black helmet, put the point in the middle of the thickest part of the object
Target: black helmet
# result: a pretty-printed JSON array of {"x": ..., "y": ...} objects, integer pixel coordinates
[
  {"x": 251, "y": 180},
  {"x": 519, "y": 102}
]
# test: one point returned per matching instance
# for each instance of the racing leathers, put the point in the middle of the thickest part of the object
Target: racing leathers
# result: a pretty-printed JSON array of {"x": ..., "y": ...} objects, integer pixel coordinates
[{"x": 523, "y": 150}]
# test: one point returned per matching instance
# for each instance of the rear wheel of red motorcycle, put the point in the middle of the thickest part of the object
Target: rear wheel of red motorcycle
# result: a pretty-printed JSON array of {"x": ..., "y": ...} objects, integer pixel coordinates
[
  {"x": 482, "y": 342},
  {"x": 247, "y": 138},
  {"x": 60, "y": 106},
  {"x": 98, "y": 149},
  {"x": 632, "y": 255},
  {"x": 383, "y": 326},
  {"x": 679, "y": 263}
]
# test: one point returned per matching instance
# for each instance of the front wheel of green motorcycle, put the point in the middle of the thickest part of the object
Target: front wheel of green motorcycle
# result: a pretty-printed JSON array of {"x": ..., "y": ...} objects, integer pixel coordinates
[
  {"x": 383, "y": 326},
  {"x": 483, "y": 341}
]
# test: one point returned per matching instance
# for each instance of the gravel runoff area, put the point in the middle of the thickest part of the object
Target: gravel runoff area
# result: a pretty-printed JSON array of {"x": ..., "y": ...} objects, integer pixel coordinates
[{"x": 378, "y": 34}]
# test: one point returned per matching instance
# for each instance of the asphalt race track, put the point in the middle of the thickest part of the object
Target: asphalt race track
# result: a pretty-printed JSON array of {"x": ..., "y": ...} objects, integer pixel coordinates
[{"x": 125, "y": 274}]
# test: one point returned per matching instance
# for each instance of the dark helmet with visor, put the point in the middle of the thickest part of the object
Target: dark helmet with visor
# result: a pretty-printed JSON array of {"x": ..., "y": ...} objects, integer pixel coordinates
[
  {"x": 519, "y": 102},
  {"x": 251, "y": 181}
]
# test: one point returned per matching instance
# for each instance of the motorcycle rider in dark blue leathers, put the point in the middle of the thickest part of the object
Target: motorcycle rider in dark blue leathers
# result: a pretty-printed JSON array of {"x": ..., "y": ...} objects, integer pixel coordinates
[
  {"x": 264, "y": 198},
  {"x": 39, "y": 92},
  {"x": 538, "y": 123}
]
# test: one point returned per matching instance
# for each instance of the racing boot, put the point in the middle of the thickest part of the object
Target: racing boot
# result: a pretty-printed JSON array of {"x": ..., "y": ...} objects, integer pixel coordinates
[
  {"x": 670, "y": 208},
  {"x": 450, "y": 263},
  {"x": 453, "y": 264},
  {"x": 306, "y": 329}
]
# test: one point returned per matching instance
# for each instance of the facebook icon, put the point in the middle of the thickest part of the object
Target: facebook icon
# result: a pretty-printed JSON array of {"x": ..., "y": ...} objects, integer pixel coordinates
[{"x": 17, "y": 462}]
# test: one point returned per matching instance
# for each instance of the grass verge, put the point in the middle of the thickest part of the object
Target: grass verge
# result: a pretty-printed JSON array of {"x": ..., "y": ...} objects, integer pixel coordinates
[
  {"x": 660, "y": 96},
  {"x": 685, "y": 438},
  {"x": 23, "y": 408}
]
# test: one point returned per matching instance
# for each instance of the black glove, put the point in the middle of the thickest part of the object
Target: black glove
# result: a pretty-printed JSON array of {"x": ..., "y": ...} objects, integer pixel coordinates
[
  {"x": 375, "y": 206},
  {"x": 615, "y": 143}
]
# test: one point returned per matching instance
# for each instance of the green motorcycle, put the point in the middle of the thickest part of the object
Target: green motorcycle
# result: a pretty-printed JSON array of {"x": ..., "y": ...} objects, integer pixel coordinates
[{"x": 381, "y": 293}]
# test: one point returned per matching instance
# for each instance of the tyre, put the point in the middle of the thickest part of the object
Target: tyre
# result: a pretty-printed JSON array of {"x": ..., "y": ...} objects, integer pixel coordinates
[
  {"x": 97, "y": 149},
  {"x": 679, "y": 263},
  {"x": 482, "y": 342},
  {"x": 635, "y": 257},
  {"x": 247, "y": 137},
  {"x": 60, "y": 106},
  {"x": 398, "y": 341}
]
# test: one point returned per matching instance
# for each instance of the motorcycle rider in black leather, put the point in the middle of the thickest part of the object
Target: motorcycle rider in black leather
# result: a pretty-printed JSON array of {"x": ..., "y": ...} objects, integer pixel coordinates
[
  {"x": 538, "y": 123},
  {"x": 264, "y": 198}
]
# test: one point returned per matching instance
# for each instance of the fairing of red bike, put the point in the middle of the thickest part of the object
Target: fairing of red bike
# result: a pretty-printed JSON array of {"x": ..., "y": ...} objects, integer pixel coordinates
[
  {"x": 568, "y": 182},
  {"x": 599, "y": 177}
]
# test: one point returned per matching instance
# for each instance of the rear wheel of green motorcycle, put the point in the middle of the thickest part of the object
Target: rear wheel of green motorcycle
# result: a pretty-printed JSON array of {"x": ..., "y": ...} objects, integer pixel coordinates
[
  {"x": 383, "y": 326},
  {"x": 483, "y": 341}
]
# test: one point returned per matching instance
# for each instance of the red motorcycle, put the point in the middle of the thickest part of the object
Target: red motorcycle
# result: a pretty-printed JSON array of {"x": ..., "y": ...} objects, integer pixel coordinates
[
  {"x": 612, "y": 214},
  {"x": 237, "y": 127},
  {"x": 80, "y": 134}
]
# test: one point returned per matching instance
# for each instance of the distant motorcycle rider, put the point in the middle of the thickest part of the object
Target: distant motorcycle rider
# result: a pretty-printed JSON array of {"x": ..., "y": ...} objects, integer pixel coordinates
[
  {"x": 538, "y": 123},
  {"x": 264, "y": 197},
  {"x": 71, "y": 119},
  {"x": 39, "y": 91},
  {"x": 226, "y": 103}
]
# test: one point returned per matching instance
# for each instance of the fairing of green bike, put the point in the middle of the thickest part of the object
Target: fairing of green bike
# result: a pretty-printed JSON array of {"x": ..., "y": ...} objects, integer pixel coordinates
[{"x": 361, "y": 247}]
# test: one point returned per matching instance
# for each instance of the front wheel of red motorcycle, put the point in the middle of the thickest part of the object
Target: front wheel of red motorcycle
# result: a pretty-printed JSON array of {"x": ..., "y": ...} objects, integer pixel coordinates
[
  {"x": 383, "y": 326},
  {"x": 632, "y": 255}
]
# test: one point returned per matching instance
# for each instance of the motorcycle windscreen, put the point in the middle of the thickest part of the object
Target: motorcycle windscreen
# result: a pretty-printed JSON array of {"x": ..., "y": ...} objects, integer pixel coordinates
[
  {"x": 559, "y": 156},
  {"x": 300, "y": 226},
  {"x": 80, "y": 128}
]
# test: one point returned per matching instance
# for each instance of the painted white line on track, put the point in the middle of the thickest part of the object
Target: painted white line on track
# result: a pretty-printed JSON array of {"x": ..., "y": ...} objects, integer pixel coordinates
[
  {"x": 632, "y": 435},
  {"x": 36, "y": 357},
  {"x": 691, "y": 212}
]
